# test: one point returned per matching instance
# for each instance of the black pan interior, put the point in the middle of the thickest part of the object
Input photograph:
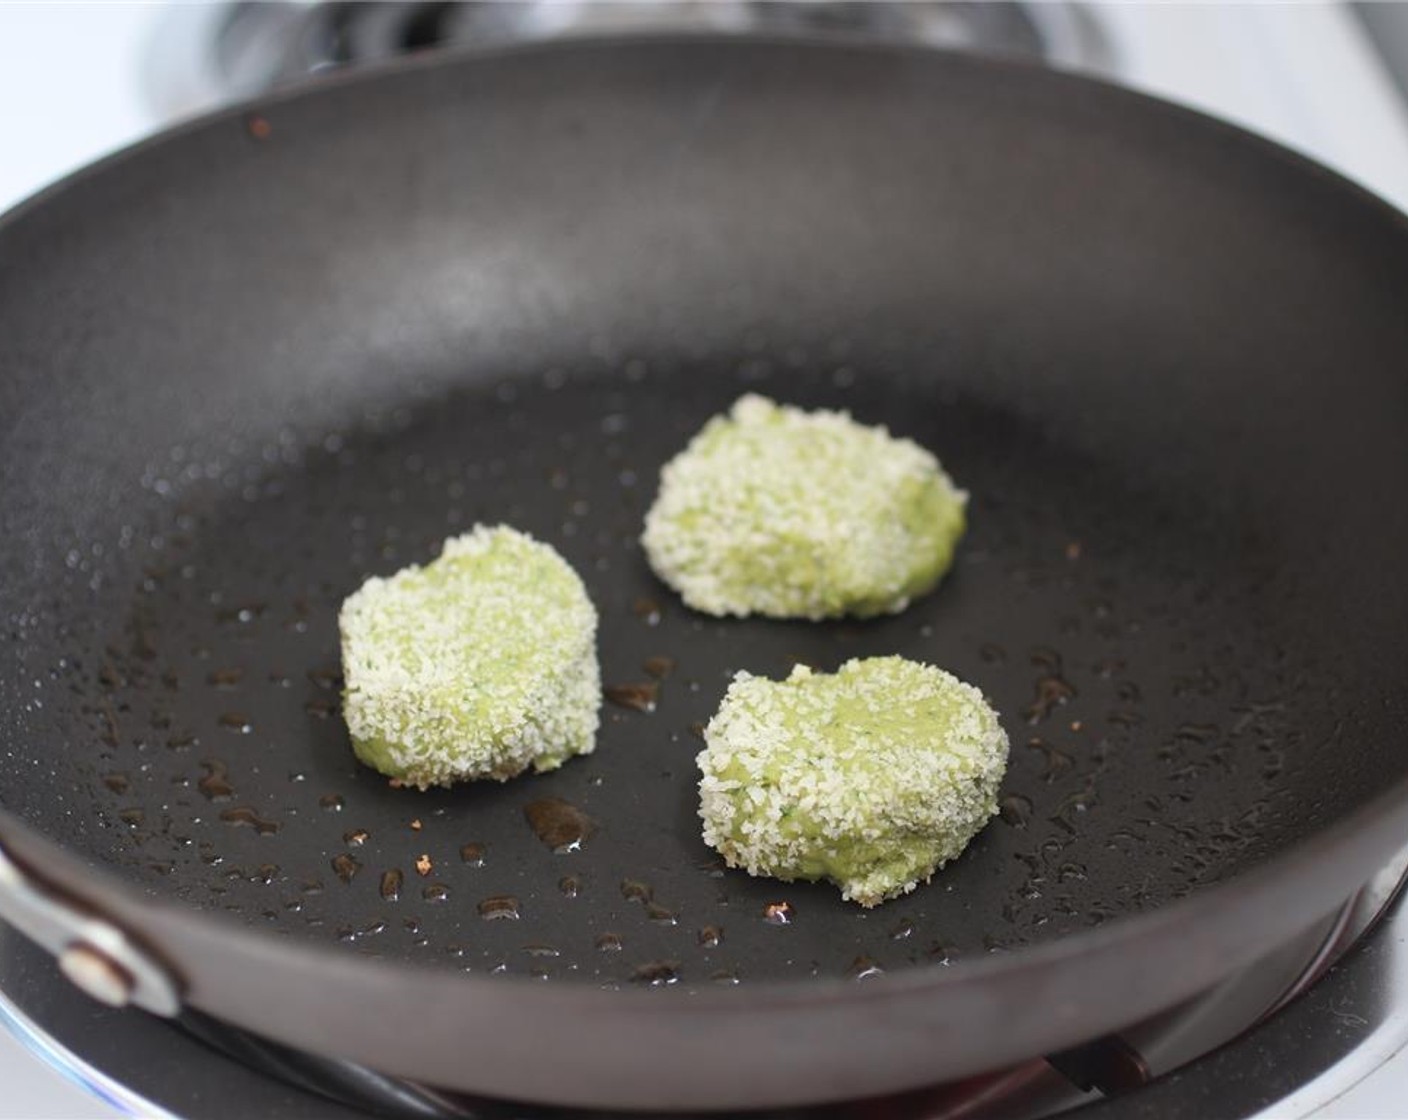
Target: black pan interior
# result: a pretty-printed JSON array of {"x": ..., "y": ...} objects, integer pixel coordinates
[{"x": 248, "y": 368}]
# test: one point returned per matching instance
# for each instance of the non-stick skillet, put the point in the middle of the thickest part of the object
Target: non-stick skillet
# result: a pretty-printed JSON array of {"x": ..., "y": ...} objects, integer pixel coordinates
[{"x": 250, "y": 362}]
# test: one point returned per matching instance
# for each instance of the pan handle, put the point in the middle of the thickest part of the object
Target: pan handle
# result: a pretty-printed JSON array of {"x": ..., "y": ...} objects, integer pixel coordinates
[{"x": 96, "y": 955}]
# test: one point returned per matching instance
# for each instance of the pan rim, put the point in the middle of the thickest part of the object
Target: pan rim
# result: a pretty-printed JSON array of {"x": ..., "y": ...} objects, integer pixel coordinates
[
  {"x": 451, "y": 57},
  {"x": 1378, "y": 824},
  {"x": 1387, "y": 806}
]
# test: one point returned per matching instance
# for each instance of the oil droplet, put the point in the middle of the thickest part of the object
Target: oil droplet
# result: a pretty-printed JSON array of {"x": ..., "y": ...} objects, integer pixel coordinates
[
  {"x": 320, "y": 709},
  {"x": 656, "y": 974},
  {"x": 779, "y": 913},
  {"x": 726, "y": 976},
  {"x": 635, "y": 891},
  {"x": 424, "y": 864},
  {"x": 416, "y": 825},
  {"x": 647, "y": 610},
  {"x": 499, "y": 907},
  {"x": 110, "y": 734},
  {"x": 132, "y": 817},
  {"x": 661, "y": 915},
  {"x": 864, "y": 968},
  {"x": 391, "y": 884},
  {"x": 697, "y": 730},
  {"x": 903, "y": 931},
  {"x": 559, "y": 824},
  {"x": 609, "y": 943},
  {"x": 356, "y": 837},
  {"x": 234, "y": 721},
  {"x": 570, "y": 886},
  {"x": 659, "y": 667},
  {"x": 243, "y": 815},
  {"x": 544, "y": 951},
  {"x": 346, "y": 867},
  {"x": 265, "y": 873},
  {"x": 1015, "y": 810},
  {"x": 347, "y": 933},
  {"x": 215, "y": 785},
  {"x": 1108, "y": 667},
  {"x": 1052, "y": 691},
  {"x": 1058, "y": 762},
  {"x": 224, "y": 678},
  {"x": 329, "y": 680},
  {"x": 472, "y": 854},
  {"x": 435, "y": 892},
  {"x": 639, "y": 696},
  {"x": 248, "y": 613},
  {"x": 118, "y": 783},
  {"x": 332, "y": 802},
  {"x": 711, "y": 937}
]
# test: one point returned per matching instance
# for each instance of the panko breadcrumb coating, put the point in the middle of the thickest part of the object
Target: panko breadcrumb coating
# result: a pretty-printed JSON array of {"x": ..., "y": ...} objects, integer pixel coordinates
[
  {"x": 478, "y": 665},
  {"x": 871, "y": 777},
  {"x": 771, "y": 510}
]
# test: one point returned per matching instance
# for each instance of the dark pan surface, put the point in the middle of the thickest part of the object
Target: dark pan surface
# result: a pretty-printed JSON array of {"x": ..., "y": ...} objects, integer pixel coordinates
[
  {"x": 246, "y": 369},
  {"x": 1124, "y": 633}
]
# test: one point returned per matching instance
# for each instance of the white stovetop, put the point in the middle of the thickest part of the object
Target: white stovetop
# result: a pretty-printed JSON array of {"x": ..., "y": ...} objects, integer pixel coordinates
[{"x": 1303, "y": 74}]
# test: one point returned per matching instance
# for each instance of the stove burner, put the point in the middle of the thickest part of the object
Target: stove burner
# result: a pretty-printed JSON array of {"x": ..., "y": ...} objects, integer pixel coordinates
[{"x": 204, "y": 55}]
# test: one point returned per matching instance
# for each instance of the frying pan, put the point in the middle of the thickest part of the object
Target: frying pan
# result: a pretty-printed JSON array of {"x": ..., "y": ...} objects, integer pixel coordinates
[{"x": 258, "y": 358}]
